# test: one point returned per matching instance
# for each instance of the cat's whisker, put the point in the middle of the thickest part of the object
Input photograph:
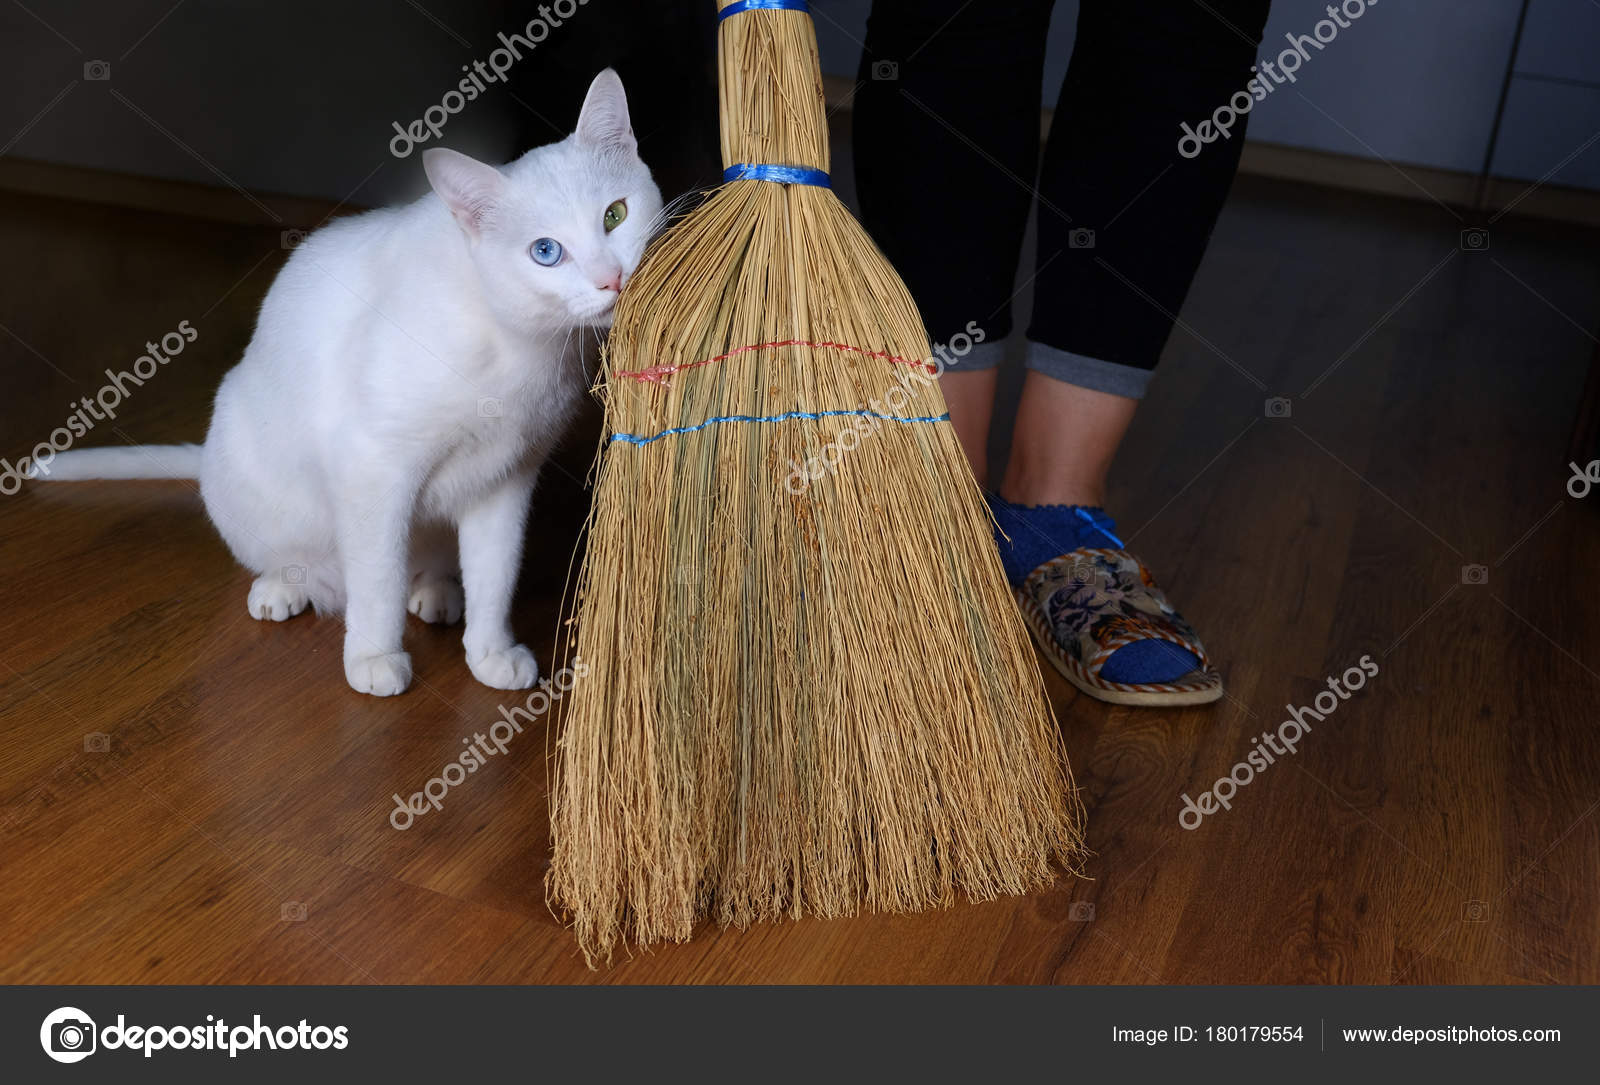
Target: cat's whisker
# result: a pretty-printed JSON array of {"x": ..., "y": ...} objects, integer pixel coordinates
[{"x": 678, "y": 207}]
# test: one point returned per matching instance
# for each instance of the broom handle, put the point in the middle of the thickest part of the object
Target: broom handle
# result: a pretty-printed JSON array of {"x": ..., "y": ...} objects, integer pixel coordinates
[{"x": 770, "y": 86}]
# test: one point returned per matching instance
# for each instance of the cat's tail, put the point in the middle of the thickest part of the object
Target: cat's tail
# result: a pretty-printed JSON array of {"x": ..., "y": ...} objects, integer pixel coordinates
[{"x": 129, "y": 461}]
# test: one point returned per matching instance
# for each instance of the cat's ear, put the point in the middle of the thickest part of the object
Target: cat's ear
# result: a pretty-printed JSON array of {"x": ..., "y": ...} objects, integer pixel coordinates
[
  {"x": 603, "y": 121},
  {"x": 471, "y": 189}
]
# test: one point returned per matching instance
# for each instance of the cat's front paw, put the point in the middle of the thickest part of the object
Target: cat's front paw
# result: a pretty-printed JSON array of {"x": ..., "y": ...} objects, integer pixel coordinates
[
  {"x": 275, "y": 599},
  {"x": 436, "y": 601},
  {"x": 508, "y": 668},
  {"x": 382, "y": 675}
]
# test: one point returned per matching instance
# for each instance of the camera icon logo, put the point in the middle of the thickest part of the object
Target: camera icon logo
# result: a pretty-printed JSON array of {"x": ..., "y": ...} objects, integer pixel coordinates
[
  {"x": 96, "y": 742},
  {"x": 291, "y": 239},
  {"x": 488, "y": 407},
  {"x": 1081, "y": 238},
  {"x": 1475, "y": 239},
  {"x": 68, "y": 1035},
  {"x": 885, "y": 70},
  {"x": 293, "y": 911},
  {"x": 1474, "y": 574},
  {"x": 1083, "y": 573},
  {"x": 96, "y": 71},
  {"x": 1279, "y": 407},
  {"x": 294, "y": 574},
  {"x": 1081, "y": 911},
  {"x": 1476, "y": 911}
]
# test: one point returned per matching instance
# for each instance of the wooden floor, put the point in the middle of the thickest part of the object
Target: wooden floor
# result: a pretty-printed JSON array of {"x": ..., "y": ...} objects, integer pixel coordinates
[{"x": 1443, "y": 825}]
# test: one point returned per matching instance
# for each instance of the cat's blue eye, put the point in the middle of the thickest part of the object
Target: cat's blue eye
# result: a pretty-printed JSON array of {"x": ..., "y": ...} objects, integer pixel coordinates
[{"x": 546, "y": 251}]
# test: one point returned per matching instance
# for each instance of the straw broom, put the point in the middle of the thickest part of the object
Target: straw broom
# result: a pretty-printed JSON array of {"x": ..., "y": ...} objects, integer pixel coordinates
[{"x": 809, "y": 698}]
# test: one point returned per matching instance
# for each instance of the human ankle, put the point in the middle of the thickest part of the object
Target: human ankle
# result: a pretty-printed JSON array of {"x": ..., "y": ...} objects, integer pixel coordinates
[
  {"x": 1024, "y": 489},
  {"x": 1028, "y": 484}
]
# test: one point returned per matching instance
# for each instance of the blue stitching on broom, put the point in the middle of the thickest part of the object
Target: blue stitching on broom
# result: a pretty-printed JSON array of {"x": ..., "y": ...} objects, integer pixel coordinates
[{"x": 635, "y": 439}]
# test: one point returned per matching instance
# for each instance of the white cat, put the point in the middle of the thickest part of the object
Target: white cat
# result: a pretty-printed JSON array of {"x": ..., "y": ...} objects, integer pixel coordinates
[{"x": 411, "y": 370}]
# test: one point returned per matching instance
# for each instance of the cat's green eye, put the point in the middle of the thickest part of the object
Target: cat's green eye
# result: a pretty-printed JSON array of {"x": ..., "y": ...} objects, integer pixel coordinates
[{"x": 615, "y": 214}]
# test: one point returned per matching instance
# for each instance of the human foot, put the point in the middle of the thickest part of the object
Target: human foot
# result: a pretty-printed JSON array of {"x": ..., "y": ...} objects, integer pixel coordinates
[{"x": 1100, "y": 617}]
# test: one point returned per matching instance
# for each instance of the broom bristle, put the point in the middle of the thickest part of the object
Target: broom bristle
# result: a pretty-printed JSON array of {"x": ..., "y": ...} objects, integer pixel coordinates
[{"x": 809, "y": 689}]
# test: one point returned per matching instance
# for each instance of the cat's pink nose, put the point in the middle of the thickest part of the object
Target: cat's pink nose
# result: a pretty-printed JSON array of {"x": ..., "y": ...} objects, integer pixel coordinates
[{"x": 610, "y": 281}]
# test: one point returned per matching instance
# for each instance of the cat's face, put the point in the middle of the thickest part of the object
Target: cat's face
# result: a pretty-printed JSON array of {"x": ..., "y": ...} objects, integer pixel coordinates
[{"x": 556, "y": 234}]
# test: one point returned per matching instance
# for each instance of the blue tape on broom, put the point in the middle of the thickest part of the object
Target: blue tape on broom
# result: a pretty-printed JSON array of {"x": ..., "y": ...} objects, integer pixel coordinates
[
  {"x": 784, "y": 175},
  {"x": 762, "y": 5}
]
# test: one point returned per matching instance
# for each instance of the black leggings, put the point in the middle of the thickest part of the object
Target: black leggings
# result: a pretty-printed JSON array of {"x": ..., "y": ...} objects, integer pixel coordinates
[{"x": 947, "y": 149}]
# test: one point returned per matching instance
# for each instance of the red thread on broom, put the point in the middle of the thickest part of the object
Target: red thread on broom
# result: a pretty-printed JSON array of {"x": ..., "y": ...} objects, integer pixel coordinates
[{"x": 657, "y": 373}]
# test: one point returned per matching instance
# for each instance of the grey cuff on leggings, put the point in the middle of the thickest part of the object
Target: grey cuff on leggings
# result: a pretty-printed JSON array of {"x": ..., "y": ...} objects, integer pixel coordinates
[
  {"x": 1086, "y": 372},
  {"x": 980, "y": 356}
]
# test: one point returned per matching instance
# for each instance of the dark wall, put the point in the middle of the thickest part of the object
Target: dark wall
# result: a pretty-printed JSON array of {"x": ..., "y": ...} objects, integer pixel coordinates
[{"x": 301, "y": 96}]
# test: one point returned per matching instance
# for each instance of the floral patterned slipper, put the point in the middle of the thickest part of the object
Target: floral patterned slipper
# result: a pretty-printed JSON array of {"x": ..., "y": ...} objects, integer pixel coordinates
[{"x": 1085, "y": 605}]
